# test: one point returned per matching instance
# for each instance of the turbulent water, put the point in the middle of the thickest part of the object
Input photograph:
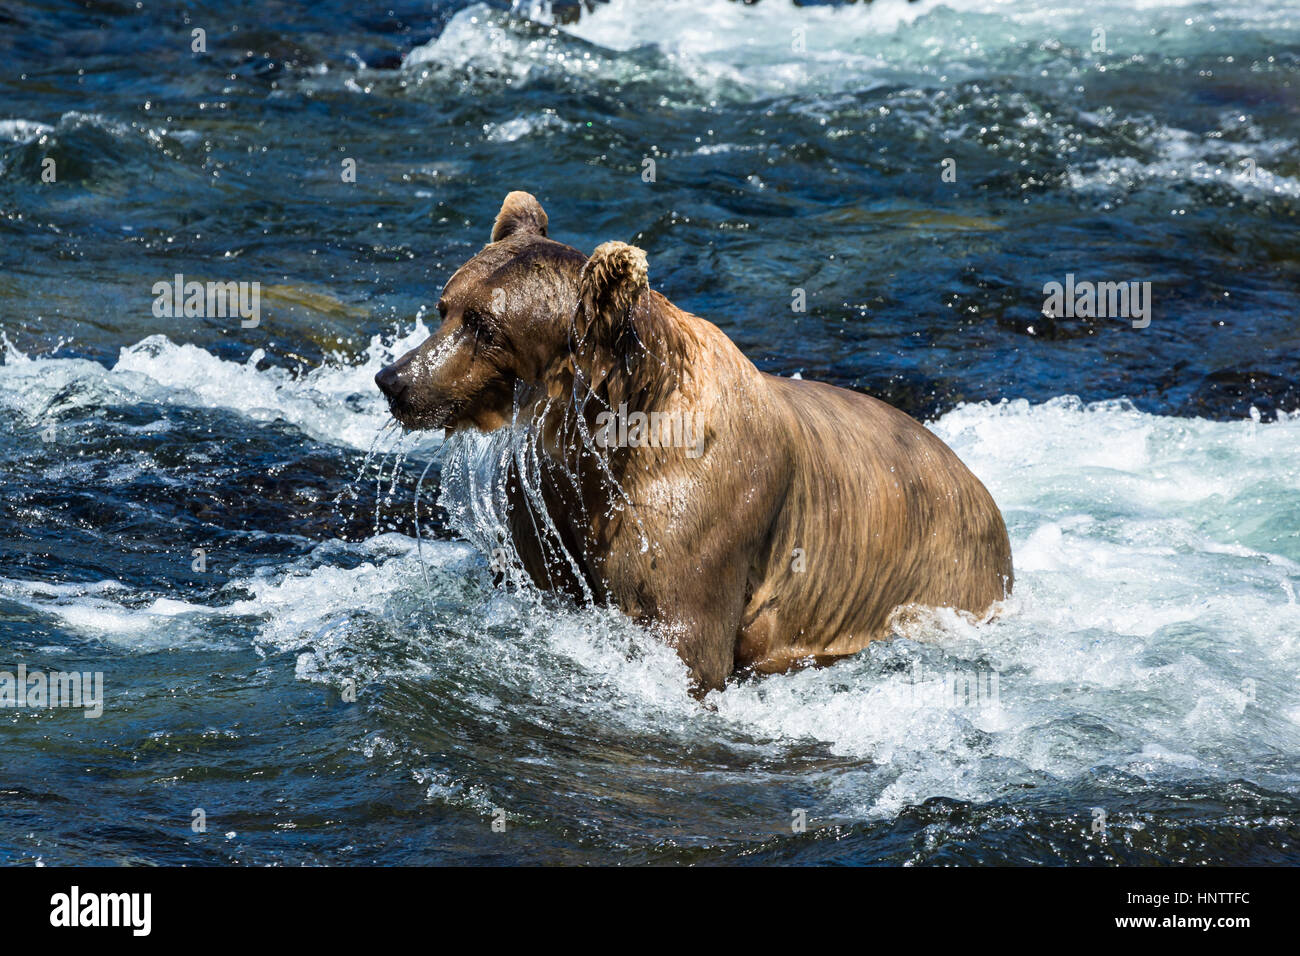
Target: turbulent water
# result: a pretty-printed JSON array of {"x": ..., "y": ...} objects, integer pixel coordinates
[{"x": 327, "y": 687}]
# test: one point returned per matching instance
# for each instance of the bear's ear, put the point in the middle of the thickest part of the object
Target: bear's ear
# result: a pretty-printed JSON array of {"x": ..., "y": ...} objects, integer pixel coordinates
[
  {"x": 521, "y": 212},
  {"x": 612, "y": 281}
]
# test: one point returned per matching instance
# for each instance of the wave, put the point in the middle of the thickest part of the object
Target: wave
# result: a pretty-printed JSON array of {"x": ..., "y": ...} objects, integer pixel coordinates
[
  {"x": 1155, "y": 631},
  {"x": 336, "y": 403},
  {"x": 948, "y": 73},
  {"x": 773, "y": 47}
]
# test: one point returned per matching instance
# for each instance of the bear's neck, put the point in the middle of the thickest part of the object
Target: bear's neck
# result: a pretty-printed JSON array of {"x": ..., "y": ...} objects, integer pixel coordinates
[
  {"x": 616, "y": 392},
  {"x": 678, "y": 374}
]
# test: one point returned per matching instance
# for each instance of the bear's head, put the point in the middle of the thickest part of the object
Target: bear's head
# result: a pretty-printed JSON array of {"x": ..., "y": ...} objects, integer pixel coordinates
[{"x": 505, "y": 315}]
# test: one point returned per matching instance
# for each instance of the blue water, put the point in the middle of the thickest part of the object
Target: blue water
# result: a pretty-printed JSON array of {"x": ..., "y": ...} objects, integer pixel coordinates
[{"x": 325, "y": 691}]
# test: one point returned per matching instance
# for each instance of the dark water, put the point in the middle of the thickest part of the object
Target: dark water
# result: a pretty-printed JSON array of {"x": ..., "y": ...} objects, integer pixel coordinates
[{"x": 1147, "y": 708}]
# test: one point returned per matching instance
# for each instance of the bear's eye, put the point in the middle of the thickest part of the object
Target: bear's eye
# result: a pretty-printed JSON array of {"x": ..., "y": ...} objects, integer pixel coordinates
[{"x": 478, "y": 326}]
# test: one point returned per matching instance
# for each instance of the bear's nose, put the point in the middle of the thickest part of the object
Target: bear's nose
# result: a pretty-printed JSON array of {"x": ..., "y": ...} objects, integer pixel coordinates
[{"x": 390, "y": 381}]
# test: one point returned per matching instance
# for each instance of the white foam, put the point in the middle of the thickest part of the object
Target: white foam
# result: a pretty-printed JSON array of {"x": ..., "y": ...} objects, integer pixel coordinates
[
  {"x": 735, "y": 49},
  {"x": 22, "y": 130},
  {"x": 107, "y": 611},
  {"x": 336, "y": 402},
  {"x": 1185, "y": 157},
  {"x": 512, "y": 130}
]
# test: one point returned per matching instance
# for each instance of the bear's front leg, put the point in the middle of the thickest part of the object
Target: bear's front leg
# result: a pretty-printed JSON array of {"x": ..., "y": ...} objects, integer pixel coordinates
[{"x": 700, "y": 616}]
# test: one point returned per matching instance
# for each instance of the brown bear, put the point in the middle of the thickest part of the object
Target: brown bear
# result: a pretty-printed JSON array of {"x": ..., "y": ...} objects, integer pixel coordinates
[{"x": 757, "y": 522}]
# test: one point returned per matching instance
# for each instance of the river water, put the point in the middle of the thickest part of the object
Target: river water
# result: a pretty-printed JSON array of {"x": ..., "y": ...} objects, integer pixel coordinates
[{"x": 220, "y": 519}]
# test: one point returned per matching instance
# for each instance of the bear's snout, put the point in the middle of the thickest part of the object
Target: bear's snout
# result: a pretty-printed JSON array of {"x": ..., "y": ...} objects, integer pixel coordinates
[
  {"x": 413, "y": 399},
  {"x": 391, "y": 381}
]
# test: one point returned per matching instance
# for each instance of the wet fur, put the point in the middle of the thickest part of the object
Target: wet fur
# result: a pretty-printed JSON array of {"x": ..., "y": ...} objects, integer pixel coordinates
[{"x": 813, "y": 515}]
